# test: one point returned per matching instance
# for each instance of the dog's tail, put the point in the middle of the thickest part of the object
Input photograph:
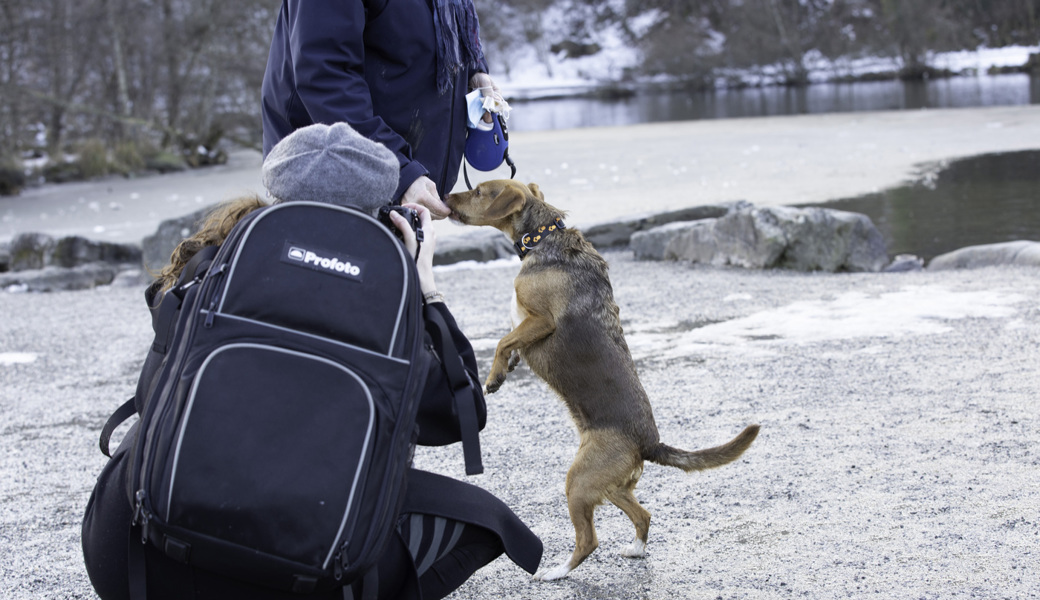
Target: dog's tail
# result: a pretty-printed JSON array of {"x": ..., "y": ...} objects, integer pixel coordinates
[{"x": 707, "y": 458}]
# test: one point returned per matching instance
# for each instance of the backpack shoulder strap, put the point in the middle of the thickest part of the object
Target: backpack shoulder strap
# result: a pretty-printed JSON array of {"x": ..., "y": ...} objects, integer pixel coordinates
[
  {"x": 164, "y": 314},
  {"x": 461, "y": 388},
  {"x": 164, "y": 317},
  {"x": 124, "y": 412}
]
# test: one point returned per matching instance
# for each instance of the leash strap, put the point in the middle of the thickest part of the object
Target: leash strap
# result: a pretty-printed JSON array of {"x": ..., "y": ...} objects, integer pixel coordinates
[{"x": 508, "y": 161}]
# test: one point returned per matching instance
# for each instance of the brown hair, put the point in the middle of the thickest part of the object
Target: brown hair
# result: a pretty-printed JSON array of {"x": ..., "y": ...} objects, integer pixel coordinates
[{"x": 213, "y": 232}]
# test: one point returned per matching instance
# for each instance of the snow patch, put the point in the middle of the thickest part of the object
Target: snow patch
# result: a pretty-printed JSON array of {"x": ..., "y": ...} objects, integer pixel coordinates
[
  {"x": 916, "y": 310},
  {"x": 16, "y": 358}
]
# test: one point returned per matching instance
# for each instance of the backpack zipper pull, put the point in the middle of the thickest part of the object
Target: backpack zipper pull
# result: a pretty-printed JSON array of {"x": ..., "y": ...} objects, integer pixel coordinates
[
  {"x": 141, "y": 515},
  {"x": 213, "y": 303},
  {"x": 337, "y": 565},
  {"x": 210, "y": 313}
]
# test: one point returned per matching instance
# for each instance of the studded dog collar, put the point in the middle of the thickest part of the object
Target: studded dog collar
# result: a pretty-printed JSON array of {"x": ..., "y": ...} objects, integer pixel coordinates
[{"x": 528, "y": 241}]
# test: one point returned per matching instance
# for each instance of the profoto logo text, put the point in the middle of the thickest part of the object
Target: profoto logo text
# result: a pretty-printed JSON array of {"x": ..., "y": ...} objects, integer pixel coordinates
[{"x": 323, "y": 261}]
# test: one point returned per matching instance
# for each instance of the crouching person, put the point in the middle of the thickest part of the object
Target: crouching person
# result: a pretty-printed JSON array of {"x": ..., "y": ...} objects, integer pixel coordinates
[{"x": 446, "y": 530}]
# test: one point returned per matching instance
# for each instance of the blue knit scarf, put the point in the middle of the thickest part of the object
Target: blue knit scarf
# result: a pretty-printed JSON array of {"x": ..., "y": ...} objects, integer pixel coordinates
[{"x": 458, "y": 40}]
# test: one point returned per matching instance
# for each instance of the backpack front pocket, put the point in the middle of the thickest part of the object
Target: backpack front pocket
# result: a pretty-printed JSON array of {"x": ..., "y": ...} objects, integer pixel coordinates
[{"x": 272, "y": 451}]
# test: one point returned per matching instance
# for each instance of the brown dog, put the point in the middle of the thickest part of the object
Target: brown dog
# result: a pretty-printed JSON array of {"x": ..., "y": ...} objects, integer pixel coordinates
[{"x": 567, "y": 329}]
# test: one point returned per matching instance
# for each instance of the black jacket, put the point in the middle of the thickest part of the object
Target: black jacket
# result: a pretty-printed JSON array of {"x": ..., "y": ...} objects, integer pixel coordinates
[{"x": 372, "y": 64}]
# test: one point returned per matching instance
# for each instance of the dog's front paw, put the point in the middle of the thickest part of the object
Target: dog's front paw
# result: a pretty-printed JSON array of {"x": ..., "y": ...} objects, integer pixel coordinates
[
  {"x": 493, "y": 383},
  {"x": 557, "y": 572}
]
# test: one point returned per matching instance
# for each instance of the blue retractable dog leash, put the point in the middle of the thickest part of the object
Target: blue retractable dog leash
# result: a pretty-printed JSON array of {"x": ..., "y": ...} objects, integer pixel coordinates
[{"x": 486, "y": 149}]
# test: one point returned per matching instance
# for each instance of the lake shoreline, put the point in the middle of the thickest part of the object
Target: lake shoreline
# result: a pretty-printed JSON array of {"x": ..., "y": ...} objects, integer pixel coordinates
[{"x": 602, "y": 174}]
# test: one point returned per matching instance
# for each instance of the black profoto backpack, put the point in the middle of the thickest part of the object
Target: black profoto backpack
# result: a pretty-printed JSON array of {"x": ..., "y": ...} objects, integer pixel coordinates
[{"x": 278, "y": 403}]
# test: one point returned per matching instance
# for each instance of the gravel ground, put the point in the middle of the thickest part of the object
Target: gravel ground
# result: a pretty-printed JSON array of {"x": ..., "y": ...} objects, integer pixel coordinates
[{"x": 897, "y": 457}]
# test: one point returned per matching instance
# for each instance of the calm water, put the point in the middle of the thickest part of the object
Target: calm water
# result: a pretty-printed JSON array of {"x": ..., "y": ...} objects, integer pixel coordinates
[
  {"x": 647, "y": 107},
  {"x": 981, "y": 200}
]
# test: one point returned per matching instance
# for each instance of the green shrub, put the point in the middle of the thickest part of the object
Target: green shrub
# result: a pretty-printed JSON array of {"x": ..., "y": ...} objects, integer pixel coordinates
[
  {"x": 93, "y": 159},
  {"x": 62, "y": 172},
  {"x": 165, "y": 162},
  {"x": 128, "y": 157}
]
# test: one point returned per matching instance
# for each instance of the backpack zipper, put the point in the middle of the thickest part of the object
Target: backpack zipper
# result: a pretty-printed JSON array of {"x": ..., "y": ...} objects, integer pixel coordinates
[
  {"x": 142, "y": 516},
  {"x": 148, "y": 453},
  {"x": 212, "y": 310}
]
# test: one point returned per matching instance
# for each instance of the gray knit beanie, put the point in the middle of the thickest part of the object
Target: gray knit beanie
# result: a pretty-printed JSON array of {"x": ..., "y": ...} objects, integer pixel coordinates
[{"x": 332, "y": 164}]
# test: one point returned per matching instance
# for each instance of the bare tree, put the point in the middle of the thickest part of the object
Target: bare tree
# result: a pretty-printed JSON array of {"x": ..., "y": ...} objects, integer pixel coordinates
[
  {"x": 14, "y": 46},
  {"x": 62, "y": 27}
]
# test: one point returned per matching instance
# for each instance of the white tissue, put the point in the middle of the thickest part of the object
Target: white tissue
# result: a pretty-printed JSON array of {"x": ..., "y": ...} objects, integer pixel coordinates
[{"x": 477, "y": 104}]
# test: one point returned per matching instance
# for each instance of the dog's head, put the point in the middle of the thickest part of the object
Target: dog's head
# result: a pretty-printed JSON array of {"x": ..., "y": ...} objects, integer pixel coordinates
[{"x": 495, "y": 203}]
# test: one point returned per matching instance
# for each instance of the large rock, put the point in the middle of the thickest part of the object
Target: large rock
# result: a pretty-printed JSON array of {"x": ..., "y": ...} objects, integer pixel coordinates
[
  {"x": 1022, "y": 252},
  {"x": 30, "y": 251},
  {"x": 74, "y": 250},
  {"x": 157, "y": 248},
  {"x": 809, "y": 239},
  {"x": 619, "y": 233},
  {"x": 34, "y": 251},
  {"x": 52, "y": 278},
  {"x": 481, "y": 246}
]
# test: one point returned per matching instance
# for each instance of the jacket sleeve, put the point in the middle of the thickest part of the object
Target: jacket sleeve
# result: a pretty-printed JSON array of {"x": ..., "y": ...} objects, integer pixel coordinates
[
  {"x": 437, "y": 418},
  {"x": 327, "y": 49}
]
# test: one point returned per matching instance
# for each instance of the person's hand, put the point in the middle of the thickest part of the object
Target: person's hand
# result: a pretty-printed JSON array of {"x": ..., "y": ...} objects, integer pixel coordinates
[
  {"x": 424, "y": 191},
  {"x": 424, "y": 261},
  {"x": 488, "y": 89}
]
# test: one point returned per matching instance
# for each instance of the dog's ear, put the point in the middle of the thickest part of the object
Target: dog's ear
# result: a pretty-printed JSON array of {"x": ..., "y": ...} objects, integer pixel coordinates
[
  {"x": 536, "y": 191},
  {"x": 507, "y": 202}
]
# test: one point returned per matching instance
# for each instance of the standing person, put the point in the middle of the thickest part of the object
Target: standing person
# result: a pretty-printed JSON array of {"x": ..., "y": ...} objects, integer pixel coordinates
[
  {"x": 396, "y": 71},
  {"x": 446, "y": 529}
]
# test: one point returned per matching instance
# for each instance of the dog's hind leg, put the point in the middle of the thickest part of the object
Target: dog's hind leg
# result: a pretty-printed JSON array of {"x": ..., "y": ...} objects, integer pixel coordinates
[
  {"x": 600, "y": 466},
  {"x": 582, "y": 505},
  {"x": 624, "y": 499}
]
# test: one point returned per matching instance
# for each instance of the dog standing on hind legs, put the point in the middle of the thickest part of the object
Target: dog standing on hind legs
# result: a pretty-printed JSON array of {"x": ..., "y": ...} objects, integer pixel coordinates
[{"x": 567, "y": 329}]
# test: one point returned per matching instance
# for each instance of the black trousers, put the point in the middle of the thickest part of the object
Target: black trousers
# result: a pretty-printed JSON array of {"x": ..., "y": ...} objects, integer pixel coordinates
[{"x": 447, "y": 531}]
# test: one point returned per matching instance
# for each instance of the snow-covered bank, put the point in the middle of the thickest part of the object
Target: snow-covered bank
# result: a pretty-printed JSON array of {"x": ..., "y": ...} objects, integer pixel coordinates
[{"x": 532, "y": 75}]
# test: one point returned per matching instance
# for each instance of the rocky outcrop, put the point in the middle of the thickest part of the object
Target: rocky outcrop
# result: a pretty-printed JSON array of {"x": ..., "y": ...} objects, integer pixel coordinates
[
  {"x": 482, "y": 245},
  {"x": 79, "y": 277},
  {"x": 904, "y": 263},
  {"x": 809, "y": 239},
  {"x": 738, "y": 234},
  {"x": 617, "y": 234},
  {"x": 29, "y": 251},
  {"x": 157, "y": 248},
  {"x": 1021, "y": 252},
  {"x": 40, "y": 262}
]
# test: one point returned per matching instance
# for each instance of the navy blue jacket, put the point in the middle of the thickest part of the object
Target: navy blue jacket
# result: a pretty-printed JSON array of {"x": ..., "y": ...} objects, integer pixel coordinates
[{"x": 372, "y": 64}]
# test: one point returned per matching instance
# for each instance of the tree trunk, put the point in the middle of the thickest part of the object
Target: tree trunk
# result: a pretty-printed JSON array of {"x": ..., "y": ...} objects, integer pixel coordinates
[{"x": 122, "y": 91}]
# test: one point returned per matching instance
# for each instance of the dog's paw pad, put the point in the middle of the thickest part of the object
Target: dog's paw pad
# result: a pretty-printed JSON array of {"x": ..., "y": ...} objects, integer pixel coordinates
[
  {"x": 557, "y": 572},
  {"x": 636, "y": 549}
]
